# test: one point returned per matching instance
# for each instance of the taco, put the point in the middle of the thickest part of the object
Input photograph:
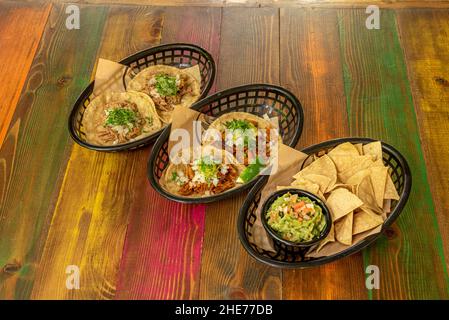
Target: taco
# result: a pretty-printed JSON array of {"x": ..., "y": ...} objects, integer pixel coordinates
[
  {"x": 241, "y": 132},
  {"x": 116, "y": 118},
  {"x": 168, "y": 87},
  {"x": 211, "y": 171}
]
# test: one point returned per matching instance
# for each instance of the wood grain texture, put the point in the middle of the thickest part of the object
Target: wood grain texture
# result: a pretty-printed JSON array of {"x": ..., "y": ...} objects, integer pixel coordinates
[
  {"x": 424, "y": 38},
  {"x": 311, "y": 69},
  {"x": 19, "y": 41},
  {"x": 34, "y": 152},
  {"x": 396, "y": 4},
  {"x": 249, "y": 52},
  {"x": 99, "y": 189},
  {"x": 162, "y": 254},
  {"x": 380, "y": 105}
]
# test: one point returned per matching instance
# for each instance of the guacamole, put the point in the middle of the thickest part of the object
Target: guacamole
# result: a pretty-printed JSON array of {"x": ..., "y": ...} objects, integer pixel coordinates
[{"x": 296, "y": 219}]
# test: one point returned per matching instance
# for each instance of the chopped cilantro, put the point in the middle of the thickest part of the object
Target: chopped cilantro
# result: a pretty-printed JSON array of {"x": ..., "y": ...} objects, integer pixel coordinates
[
  {"x": 120, "y": 117},
  {"x": 208, "y": 168},
  {"x": 166, "y": 85},
  {"x": 236, "y": 124}
]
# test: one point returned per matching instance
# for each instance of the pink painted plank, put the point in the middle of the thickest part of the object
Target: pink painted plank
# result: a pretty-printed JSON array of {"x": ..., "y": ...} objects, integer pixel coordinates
[{"x": 162, "y": 251}]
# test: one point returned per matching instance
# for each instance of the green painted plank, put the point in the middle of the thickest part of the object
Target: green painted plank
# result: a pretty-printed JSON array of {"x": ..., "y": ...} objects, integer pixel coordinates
[
  {"x": 36, "y": 148},
  {"x": 379, "y": 104}
]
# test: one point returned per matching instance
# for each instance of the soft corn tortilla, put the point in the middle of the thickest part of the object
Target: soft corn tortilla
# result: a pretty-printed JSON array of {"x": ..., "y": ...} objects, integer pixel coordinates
[
  {"x": 139, "y": 82},
  {"x": 95, "y": 115},
  {"x": 219, "y": 124},
  {"x": 207, "y": 150}
]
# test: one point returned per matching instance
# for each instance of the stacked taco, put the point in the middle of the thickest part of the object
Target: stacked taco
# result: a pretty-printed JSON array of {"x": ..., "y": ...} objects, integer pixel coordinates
[
  {"x": 227, "y": 158},
  {"x": 152, "y": 95}
]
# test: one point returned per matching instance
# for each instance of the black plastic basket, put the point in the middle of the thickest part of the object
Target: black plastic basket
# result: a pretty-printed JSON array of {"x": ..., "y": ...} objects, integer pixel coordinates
[
  {"x": 258, "y": 99},
  {"x": 402, "y": 179},
  {"x": 179, "y": 55}
]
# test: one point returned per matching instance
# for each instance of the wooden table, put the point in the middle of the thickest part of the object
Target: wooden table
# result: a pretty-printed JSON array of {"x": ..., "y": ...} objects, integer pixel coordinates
[{"x": 64, "y": 205}]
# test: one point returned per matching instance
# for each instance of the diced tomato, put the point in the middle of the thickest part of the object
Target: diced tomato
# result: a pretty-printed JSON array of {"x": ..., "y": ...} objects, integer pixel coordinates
[{"x": 298, "y": 206}]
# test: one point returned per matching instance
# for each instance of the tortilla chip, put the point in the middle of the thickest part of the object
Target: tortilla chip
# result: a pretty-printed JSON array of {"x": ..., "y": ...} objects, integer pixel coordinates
[
  {"x": 387, "y": 206},
  {"x": 359, "y": 147},
  {"x": 379, "y": 180},
  {"x": 319, "y": 179},
  {"x": 345, "y": 149},
  {"x": 365, "y": 220},
  {"x": 390, "y": 190},
  {"x": 329, "y": 238},
  {"x": 323, "y": 166},
  {"x": 343, "y": 229},
  {"x": 374, "y": 149},
  {"x": 343, "y": 156},
  {"x": 365, "y": 192},
  {"x": 283, "y": 187},
  {"x": 341, "y": 202},
  {"x": 355, "y": 165},
  {"x": 356, "y": 178},
  {"x": 305, "y": 184}
]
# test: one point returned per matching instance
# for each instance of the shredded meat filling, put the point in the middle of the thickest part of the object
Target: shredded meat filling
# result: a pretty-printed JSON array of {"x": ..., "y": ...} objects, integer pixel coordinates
[
  {"x": 245, "y": 147},
  {"x": 166, "y": 103},
  {"x": 225, "y": 181},
  {"x": 120, "y": 134}
]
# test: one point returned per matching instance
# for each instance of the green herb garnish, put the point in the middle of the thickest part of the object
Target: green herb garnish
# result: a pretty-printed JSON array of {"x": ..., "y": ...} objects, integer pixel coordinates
[
  {"x": 166, "y": 85},
  {"x": 239, "y": 125},
  {"x": 120, "y": 117},
  {"x": 174, "y": 176},
  {"x": 208, "y": 167}
]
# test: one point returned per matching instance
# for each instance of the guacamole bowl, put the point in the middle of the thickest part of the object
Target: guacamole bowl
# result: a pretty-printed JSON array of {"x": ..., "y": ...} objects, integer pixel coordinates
[{"x": 295, "y": 219}]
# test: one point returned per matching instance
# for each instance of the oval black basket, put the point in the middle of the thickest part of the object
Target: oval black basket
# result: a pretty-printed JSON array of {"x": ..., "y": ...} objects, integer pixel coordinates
[
  {"x": 181, "y": 55},
  {"x": 258, "y": 99},
  {"x": 285, "y": 258}
]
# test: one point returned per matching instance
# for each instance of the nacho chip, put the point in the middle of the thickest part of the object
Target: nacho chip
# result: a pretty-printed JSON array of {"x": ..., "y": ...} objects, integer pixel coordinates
[
  {"x": 283, "y": 187},
  {"x": 343, "y": 229},
  {"x": 341, "y": 202},
  {"x": 357, "y": 177},
  {"x": 355, "y": 165},
  {"x": 390, "y": 190},
  {"x": 329, "y": 238},
  {"x": 345, "y": 149},
  {"x": 365, "y": 220},
  {"x": 305, "y": 184},
  {"x": 379, "y": 180},
  {"x": 319, "y": 179},
  {"x": 365, "y": 192},
  {"x": 343, "y": 156},
  {"x": 322, "y": 166},
  {"x": 374, "y": 149},
  {"x": 359, "y": 147}
]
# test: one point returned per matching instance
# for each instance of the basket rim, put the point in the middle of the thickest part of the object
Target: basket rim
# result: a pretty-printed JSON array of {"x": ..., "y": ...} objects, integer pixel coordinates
[
  {"x": 258, "y": 86},
  {"x": 353, "y": 249},
  {"x": 127, "y": 60},
  {"x": 198, "y": 105}
]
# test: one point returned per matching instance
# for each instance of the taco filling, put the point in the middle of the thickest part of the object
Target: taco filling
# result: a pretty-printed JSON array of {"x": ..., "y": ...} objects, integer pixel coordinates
[
  {"x": 167, "y": 91},
  {"x": 205, "y": 176},
  {"x": 123, "y": 122},
  {"x": 116, "y": 118},
  {"x": 243, "y": 136}
]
